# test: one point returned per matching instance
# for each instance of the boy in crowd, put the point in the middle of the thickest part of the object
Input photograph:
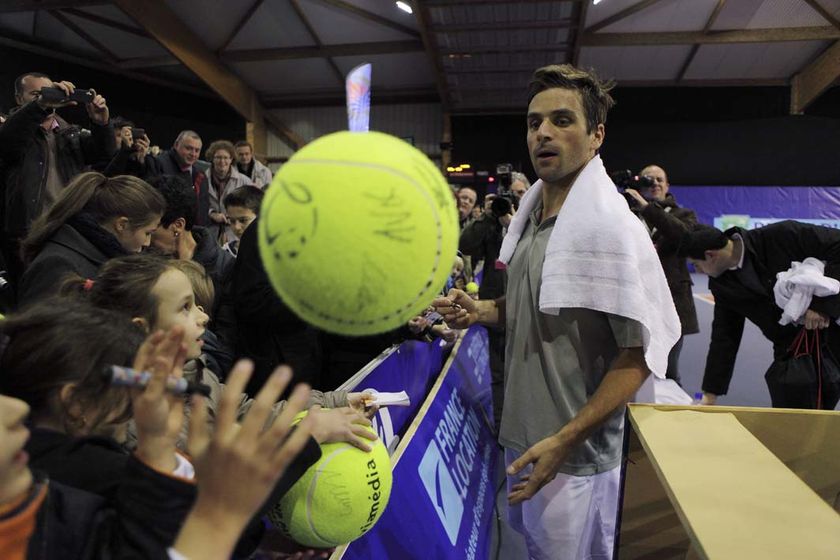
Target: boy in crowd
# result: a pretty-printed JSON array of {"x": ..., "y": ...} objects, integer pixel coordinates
[{"x": 242, "y": 207}]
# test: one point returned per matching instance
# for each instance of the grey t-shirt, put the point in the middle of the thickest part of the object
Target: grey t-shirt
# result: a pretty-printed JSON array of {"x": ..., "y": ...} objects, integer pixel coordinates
[{"x": 555, "y": 363}]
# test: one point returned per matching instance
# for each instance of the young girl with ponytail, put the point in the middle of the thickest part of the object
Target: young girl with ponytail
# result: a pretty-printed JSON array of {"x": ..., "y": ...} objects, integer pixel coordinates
[{"x": 94, "y": 219}]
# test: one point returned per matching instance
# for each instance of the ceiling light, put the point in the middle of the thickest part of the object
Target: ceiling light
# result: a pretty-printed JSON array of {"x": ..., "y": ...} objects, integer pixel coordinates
[
  {"x": 596, "y": 2},
  {"x": 404, "y": 7}
]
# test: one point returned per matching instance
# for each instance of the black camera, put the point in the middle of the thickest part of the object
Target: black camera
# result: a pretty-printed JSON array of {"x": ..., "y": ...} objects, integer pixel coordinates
[
  {"x": 505, "y": 201},
  {"x": 626, "y": 179},
  {"x": 56, "y": 95}
]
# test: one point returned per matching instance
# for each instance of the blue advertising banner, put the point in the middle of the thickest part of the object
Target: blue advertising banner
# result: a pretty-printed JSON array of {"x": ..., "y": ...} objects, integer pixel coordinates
[
  {"x": 413, "y": 368},
  {"x": 441, "y": 504},
  {"x": 728, "y": 204}
]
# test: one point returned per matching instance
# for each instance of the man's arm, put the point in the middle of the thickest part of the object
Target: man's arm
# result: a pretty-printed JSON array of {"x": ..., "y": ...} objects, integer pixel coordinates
[
  {"x": 822, "y": 243},
  {"x": 672, "y": 225},
  {"x": 626, "y": 375},
  {"x": 727, "y": 329},
  {"x": 472, "y": 238},
  {"x": 460, "y": 311},
  {"x": 19, "y": 130}
]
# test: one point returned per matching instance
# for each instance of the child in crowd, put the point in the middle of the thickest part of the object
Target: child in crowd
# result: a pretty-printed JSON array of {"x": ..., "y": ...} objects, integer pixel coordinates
[
  {"x": 43, "y": 518},
  {"x": 92, "y": 220},
  {"x": 242, "y": 207},
  {"x": 158, "y": 295}
]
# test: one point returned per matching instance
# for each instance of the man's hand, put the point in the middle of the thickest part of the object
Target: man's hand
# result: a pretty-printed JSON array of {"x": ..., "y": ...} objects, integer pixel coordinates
[
  {"x": 546, "y": 455},
  {"x": 67, "y": 87},
  {"x": 141, "y": 148},
  {"x": 458, "y": 309},
  {"x": 640, "y": 200},
  {"x": 506, "y": 219},
  {"x": 815, "y": 320},
  {"x": 218, "y": 217},
  {"x": 98, "y": 110},
  {"x": 708, "y": 398}
]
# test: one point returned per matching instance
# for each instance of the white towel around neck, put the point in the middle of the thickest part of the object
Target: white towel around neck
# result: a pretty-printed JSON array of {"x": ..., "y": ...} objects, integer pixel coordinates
[{"x": 600, "y": 257}]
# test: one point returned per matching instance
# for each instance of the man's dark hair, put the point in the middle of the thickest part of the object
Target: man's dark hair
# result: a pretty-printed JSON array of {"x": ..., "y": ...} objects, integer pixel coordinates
[
  {"x": 120, "y": 122},
  {"x": 594, "y": 93},
  {"x": 243, "y": 143},
  {"x": 699, "y": 239},
  {"x": 247, "y": 196},
  {"x": 180, "y": 200}
]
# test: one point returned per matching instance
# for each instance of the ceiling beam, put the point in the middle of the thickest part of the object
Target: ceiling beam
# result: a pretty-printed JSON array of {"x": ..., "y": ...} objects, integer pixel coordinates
[
  {"x": 81, "y": 14},
  {"x": 773, "y": 35},
  {"x": 694, "y": 48},
  {"x": 563, "y": 23},
  {"x": 77, "y": 29},
  {"x": 246, "y": 17},
  {"x": 809, "y": 83},
  {"x": 149, "y": 62},
  {"x": 30, "y": 5},
  {"x": 370, "y": 16},
  {"x": 467, "y": 52},
  {"x": 618, "y": 16},
  {"x": 350, "y": 49},
  {"x": 59, "y": 52},
  {"x": 648, "y": 83},
  {"x": 433, "y": 53},
  {"x": 322, "y": 98},
  {"x": 308, "y": 25},
  {"x": 164, "y": 25},
  {"x": 448, "y": 3},
  {"x": 583, "y": 10},
  {"x": 826, "y": 15}
]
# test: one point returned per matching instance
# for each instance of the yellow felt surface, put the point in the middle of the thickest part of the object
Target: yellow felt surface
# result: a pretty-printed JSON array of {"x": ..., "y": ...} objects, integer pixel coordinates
[{"x": 736, "y": 499}]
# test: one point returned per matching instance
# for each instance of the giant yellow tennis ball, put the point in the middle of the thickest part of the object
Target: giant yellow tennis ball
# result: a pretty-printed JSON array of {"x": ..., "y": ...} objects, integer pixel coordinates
[
  {"x": 358, "y": 232},
  {"x": 339, "y": 498}
]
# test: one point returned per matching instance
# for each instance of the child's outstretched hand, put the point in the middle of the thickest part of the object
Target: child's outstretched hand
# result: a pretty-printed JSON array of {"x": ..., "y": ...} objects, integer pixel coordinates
[
  {"x": 341, "y": 425},
  {"x": 238, "y": 465},
  {"x": 159, "y": 415}
]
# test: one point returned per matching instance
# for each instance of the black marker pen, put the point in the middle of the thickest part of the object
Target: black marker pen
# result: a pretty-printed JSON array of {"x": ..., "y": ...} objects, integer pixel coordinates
[{"x": 120, "y": 376}]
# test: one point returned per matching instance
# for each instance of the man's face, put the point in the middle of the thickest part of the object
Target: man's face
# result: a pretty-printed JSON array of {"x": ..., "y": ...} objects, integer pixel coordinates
[
  {"x": 188, "y": 149},
  {"x": 518, "y": 188},
  {"x": 660, "y": 181},
  {"x": 466, "y": 201},
  {"x": 244, "y": 155},
  {"x": 239, "y": 218},
  {"x": 713, "y": 265},
  {"x": 557, "y": 139},
  {"x": 31, "y": 86}
]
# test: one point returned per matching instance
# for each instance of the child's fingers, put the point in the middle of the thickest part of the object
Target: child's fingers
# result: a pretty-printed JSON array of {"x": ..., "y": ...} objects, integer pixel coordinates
[
  {"x": 229, "y": 401},
  {"x": 170, "y": 346},
  {"x": 255, "y": 420},
  {"x": 199, "y": 436}
]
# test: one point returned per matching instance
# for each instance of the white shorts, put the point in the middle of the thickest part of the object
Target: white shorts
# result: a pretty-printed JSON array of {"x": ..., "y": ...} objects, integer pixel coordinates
[{"x": 570, "y": 518}]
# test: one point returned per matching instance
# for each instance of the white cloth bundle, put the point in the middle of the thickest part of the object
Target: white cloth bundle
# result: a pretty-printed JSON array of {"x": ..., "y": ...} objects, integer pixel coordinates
[
  {"x": 796, "y": 286},
  {"x": 600, "y": 257}
]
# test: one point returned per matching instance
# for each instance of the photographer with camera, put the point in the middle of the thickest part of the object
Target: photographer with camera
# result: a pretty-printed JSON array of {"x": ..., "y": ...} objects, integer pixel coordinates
[
  {"x": 132, "y": 156},
  {"x": 481, "y": 240},
  {"x": 667, "y": 222},
  {"x": 42, "y": 152}
]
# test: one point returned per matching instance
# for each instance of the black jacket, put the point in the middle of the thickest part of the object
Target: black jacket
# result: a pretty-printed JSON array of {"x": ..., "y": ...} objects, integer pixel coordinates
[
  {"x": 169, "y": 164},
  {"x": 123, "y": 164},
  {"x": 668, "y": 222},
  {"x": 23, "y": 149},
  {"x": 482, "y": 239},
  {"x": 216, "y": 261},
  {"x": 770, "y": 250},
  {"x": 140, "y": 523},
  {"x": 67, "y": 253}
]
